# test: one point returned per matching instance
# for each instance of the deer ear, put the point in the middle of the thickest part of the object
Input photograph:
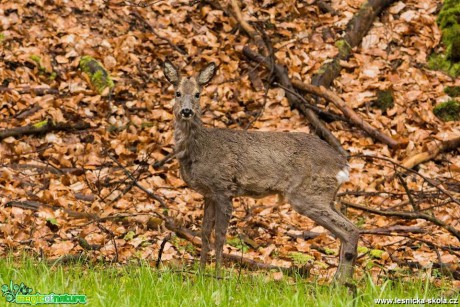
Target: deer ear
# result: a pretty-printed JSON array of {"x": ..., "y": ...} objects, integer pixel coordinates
[
  {"x": 206, "y": 74},
  {"x": 171, "y": 72}
]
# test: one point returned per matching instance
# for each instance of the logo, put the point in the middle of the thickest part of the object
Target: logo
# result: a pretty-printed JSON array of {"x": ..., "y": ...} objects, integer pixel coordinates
[{"x": 21, "y": 294}]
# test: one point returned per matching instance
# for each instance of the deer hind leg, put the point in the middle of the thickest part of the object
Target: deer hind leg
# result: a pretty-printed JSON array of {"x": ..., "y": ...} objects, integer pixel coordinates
[
  {"x": 209, "y": 219},
  {"x": 223, "y": 207},
  {"x": 348, "y": 253},
  {"x": 323, "y": 213}
]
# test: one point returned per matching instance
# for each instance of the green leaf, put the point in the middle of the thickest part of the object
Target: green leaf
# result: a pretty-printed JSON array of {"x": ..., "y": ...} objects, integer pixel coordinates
[
  {"x": 376, "y": 253},
  {"x": 300, "y": 259},
  {"x": 321, "y": 264},
  {"x": 329, "y": 251},
  {"x": 370, "y": 264},
  {"x": 41, "y": 124},
  {"x": 37, "y": 59},
  {"x": 129, "y": 235},
  {"x": 52, "y": 221},
  {"x": 238, "y": 243}
]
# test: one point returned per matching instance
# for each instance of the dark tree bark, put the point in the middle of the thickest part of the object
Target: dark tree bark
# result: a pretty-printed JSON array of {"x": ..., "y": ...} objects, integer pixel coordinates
[{"x": 356, "y": 29}]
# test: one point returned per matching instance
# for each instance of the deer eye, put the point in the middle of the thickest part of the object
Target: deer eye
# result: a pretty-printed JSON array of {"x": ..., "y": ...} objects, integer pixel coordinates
[
  {"x": 178, "y": 94},
  {"x": 197, "y": 95}
]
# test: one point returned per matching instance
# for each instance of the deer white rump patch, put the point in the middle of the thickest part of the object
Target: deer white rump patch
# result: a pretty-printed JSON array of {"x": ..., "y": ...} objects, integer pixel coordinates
[{"x": 343, "y": 175}]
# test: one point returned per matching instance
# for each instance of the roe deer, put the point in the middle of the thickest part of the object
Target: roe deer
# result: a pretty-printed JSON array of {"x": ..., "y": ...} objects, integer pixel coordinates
[{"x": 223, "y": 163}]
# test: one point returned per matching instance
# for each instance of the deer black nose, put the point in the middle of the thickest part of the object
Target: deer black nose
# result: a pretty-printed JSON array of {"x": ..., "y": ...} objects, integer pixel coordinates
[{"x": 186, "y": 112}]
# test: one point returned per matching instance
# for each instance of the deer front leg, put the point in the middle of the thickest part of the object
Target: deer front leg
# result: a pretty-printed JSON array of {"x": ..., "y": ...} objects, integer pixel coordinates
[
  {"x": 223, "y": 207},
  {"x": 206, "y": 229}
]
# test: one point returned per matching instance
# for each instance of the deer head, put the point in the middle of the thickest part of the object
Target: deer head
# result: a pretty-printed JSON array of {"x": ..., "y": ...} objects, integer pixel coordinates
[{"x": 188, "y": 89}]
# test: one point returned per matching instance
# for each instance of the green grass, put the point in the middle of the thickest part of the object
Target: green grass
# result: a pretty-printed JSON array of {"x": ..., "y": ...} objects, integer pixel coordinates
[{"x": 141, "y": 285}]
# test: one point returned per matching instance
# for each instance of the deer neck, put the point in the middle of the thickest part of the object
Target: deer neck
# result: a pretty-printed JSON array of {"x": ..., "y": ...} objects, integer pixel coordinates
[{"x": 185, "y": 135}]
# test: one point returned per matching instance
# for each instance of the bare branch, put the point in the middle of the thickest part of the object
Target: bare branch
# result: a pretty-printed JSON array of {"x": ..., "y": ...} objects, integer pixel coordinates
[
  {"x": 347, "y": 111},
  {"x": 408, "y": 216},
  {"x": 430, "y": 181},
  {"x": 425, "y": 156},
  {"x": 27, "y": 90},
  {"x": 136, "y": 183},
  {"x": 43, "y": 127},
  {"x": 283, "y": 78}
]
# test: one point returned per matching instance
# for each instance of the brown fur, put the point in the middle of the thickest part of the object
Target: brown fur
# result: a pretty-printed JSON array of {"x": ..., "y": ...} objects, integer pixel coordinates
[{"x": 222, "y": 163}]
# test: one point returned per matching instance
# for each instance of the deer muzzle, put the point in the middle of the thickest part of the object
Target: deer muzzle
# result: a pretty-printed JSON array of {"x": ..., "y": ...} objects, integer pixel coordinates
[{"x": 186, "y": 111}]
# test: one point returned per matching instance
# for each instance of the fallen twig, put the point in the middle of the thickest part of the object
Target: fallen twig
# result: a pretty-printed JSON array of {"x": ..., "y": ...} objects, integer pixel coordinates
[
  {"x": 347, "y": 111},
  {"x": 85, "y": 245},
  {"x": 408, "y": 216},
  {"x": 415, "y": 206},
  {"x": 162, "y": 162},
  {"x": 326, "y": 8},
  {"x": 263, "y": 56},
  {"x": 35, "y": 206},
  {"x": 256, "y": 37},
  {"x": 112, "y": 237},
  {"x": 305, "y": 235},
  {"x": 397, "y": 229},
  {"x": 444, "y": 146},
  {"x": 136, "y": 183},
  {"x": 270, "y": 79},
  {"x": 316, "y": 109},
  {"x": 27, "y": 112},
  {"x": 283, "y": 79},
  {"x": 450, "y": 248},
  {"x": 66, "y": 259},
  {"x": 162, "y": 247},
  {"x": 27, "y": 90},
  {"x": 430, "y": 181},
  {"x": 48, "y": 168},
  {"x": 43, "y": 127}
]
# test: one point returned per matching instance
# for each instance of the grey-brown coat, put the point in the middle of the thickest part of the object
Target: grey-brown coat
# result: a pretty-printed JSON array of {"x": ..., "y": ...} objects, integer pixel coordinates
[{"x": 223, "y": 163}]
